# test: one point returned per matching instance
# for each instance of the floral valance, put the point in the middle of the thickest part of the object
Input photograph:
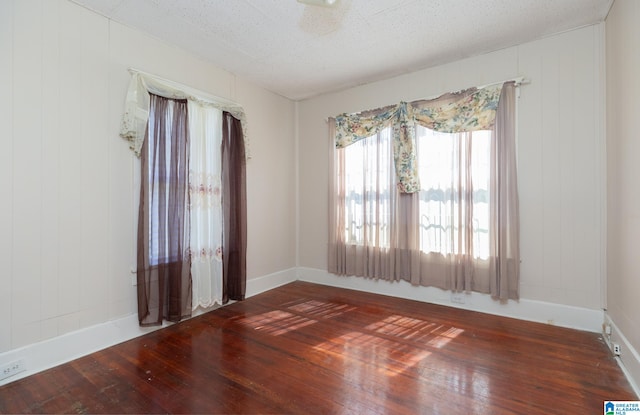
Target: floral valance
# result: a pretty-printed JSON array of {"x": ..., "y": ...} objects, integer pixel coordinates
[
  {"x": 469, "y": 110},
  {"x": 136, "y": 112}
]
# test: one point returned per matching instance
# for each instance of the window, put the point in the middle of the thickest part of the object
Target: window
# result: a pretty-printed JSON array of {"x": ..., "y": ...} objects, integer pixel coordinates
[
  {"x": 177, "y": 140},
  {"x": 446, "y": 181},
  {"x": 369, "y": 179},
  {"x": 180, "y": 219},
  {"x": 163, "y": 274},
  {"x": 427, "y": 192},
  {"x": 166, "y": 152},
  {"x": 442, "y": 176}
]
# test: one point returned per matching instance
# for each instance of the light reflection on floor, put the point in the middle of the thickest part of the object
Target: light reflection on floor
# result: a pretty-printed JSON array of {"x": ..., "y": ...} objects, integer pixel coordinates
[
  {"x": 459, "y": 380},
  {"x": 373, "y": 355},
  {"x": 321, "y": 309},
  {"x": 374, "y": 347},
  {"x": 420, "y": 331},
  {"x": 386, "y": 356},
  {"x": 300, "y": 314},
  {"x": 276, "y": 322}
]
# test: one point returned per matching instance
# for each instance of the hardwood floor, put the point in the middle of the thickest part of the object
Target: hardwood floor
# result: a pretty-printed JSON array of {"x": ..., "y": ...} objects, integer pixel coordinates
[{"x": 311, "y": 349}]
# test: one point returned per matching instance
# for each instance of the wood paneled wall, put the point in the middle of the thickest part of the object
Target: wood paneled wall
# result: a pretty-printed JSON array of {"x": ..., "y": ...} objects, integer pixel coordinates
[
  {"x": 561, "y": 156},
  {"x": 66, "y": 178}
]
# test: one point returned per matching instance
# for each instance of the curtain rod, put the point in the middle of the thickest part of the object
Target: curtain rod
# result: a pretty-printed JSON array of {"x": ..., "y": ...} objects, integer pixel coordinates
[
  {"x": 521, "y": 80},
  {"x": 188, "y": 89},
  {"x": 232, "y": 107}
]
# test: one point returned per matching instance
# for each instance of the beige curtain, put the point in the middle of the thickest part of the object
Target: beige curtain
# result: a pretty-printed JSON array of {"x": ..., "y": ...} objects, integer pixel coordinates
[
  {"x": 375, "y": 238},
  {"x": 379, "y": 235},
  {"x": 504, "y": 214}
]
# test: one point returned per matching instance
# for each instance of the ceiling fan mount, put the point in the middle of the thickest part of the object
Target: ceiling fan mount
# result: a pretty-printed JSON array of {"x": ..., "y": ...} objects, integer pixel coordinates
[{"x": 321, "y": 3}]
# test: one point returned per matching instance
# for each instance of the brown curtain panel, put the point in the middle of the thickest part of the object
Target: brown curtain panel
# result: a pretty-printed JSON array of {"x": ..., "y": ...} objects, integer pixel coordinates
[
  {"x": 234, "y": 201},
  {"x": 164, "y": 276}
]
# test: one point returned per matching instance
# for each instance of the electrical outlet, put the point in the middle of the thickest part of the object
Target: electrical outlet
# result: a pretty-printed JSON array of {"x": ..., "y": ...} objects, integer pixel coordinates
[
  {"x": 457, "y": 298},
  {"x": 616, "y": 349},
  {"x": 12, "y": 368}
]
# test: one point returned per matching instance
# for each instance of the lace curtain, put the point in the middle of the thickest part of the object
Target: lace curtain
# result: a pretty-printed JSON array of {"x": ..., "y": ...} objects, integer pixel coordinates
[
  {"x": 212, "y": 263},
  {"x": 205, "y": 196}
]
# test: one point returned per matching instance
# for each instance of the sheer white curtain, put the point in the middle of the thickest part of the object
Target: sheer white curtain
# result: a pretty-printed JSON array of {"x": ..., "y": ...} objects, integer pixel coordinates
[{"x": 205, "y": 139}]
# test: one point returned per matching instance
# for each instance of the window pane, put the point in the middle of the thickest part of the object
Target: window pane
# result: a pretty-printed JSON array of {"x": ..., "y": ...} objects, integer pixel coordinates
[
  {"x": 480, "y": 172},
  {"x": 369, "y": 180},
  {"x": 160, "y": 178},
  {"x": 370, "y": 186},
  {"x": 443, "y": 169}
]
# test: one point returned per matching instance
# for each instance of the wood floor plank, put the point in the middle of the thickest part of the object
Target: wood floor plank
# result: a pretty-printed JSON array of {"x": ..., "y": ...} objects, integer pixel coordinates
[{"x": 311, "y": 349}]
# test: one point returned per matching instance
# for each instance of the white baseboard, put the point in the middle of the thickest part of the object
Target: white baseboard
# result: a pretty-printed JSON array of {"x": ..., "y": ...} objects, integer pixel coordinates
[
  {"x": 268, "y": 282},
  {"x": 53, "y": 352},
  {"x": 49, "y": 353},
  {"x": 530, "y": 310},
  {"x": 629, "y": 359}
]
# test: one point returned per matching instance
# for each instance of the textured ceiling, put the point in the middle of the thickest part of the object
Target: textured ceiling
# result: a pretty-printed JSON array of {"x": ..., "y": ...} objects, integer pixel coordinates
[{"x": 300, "y": 51}]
